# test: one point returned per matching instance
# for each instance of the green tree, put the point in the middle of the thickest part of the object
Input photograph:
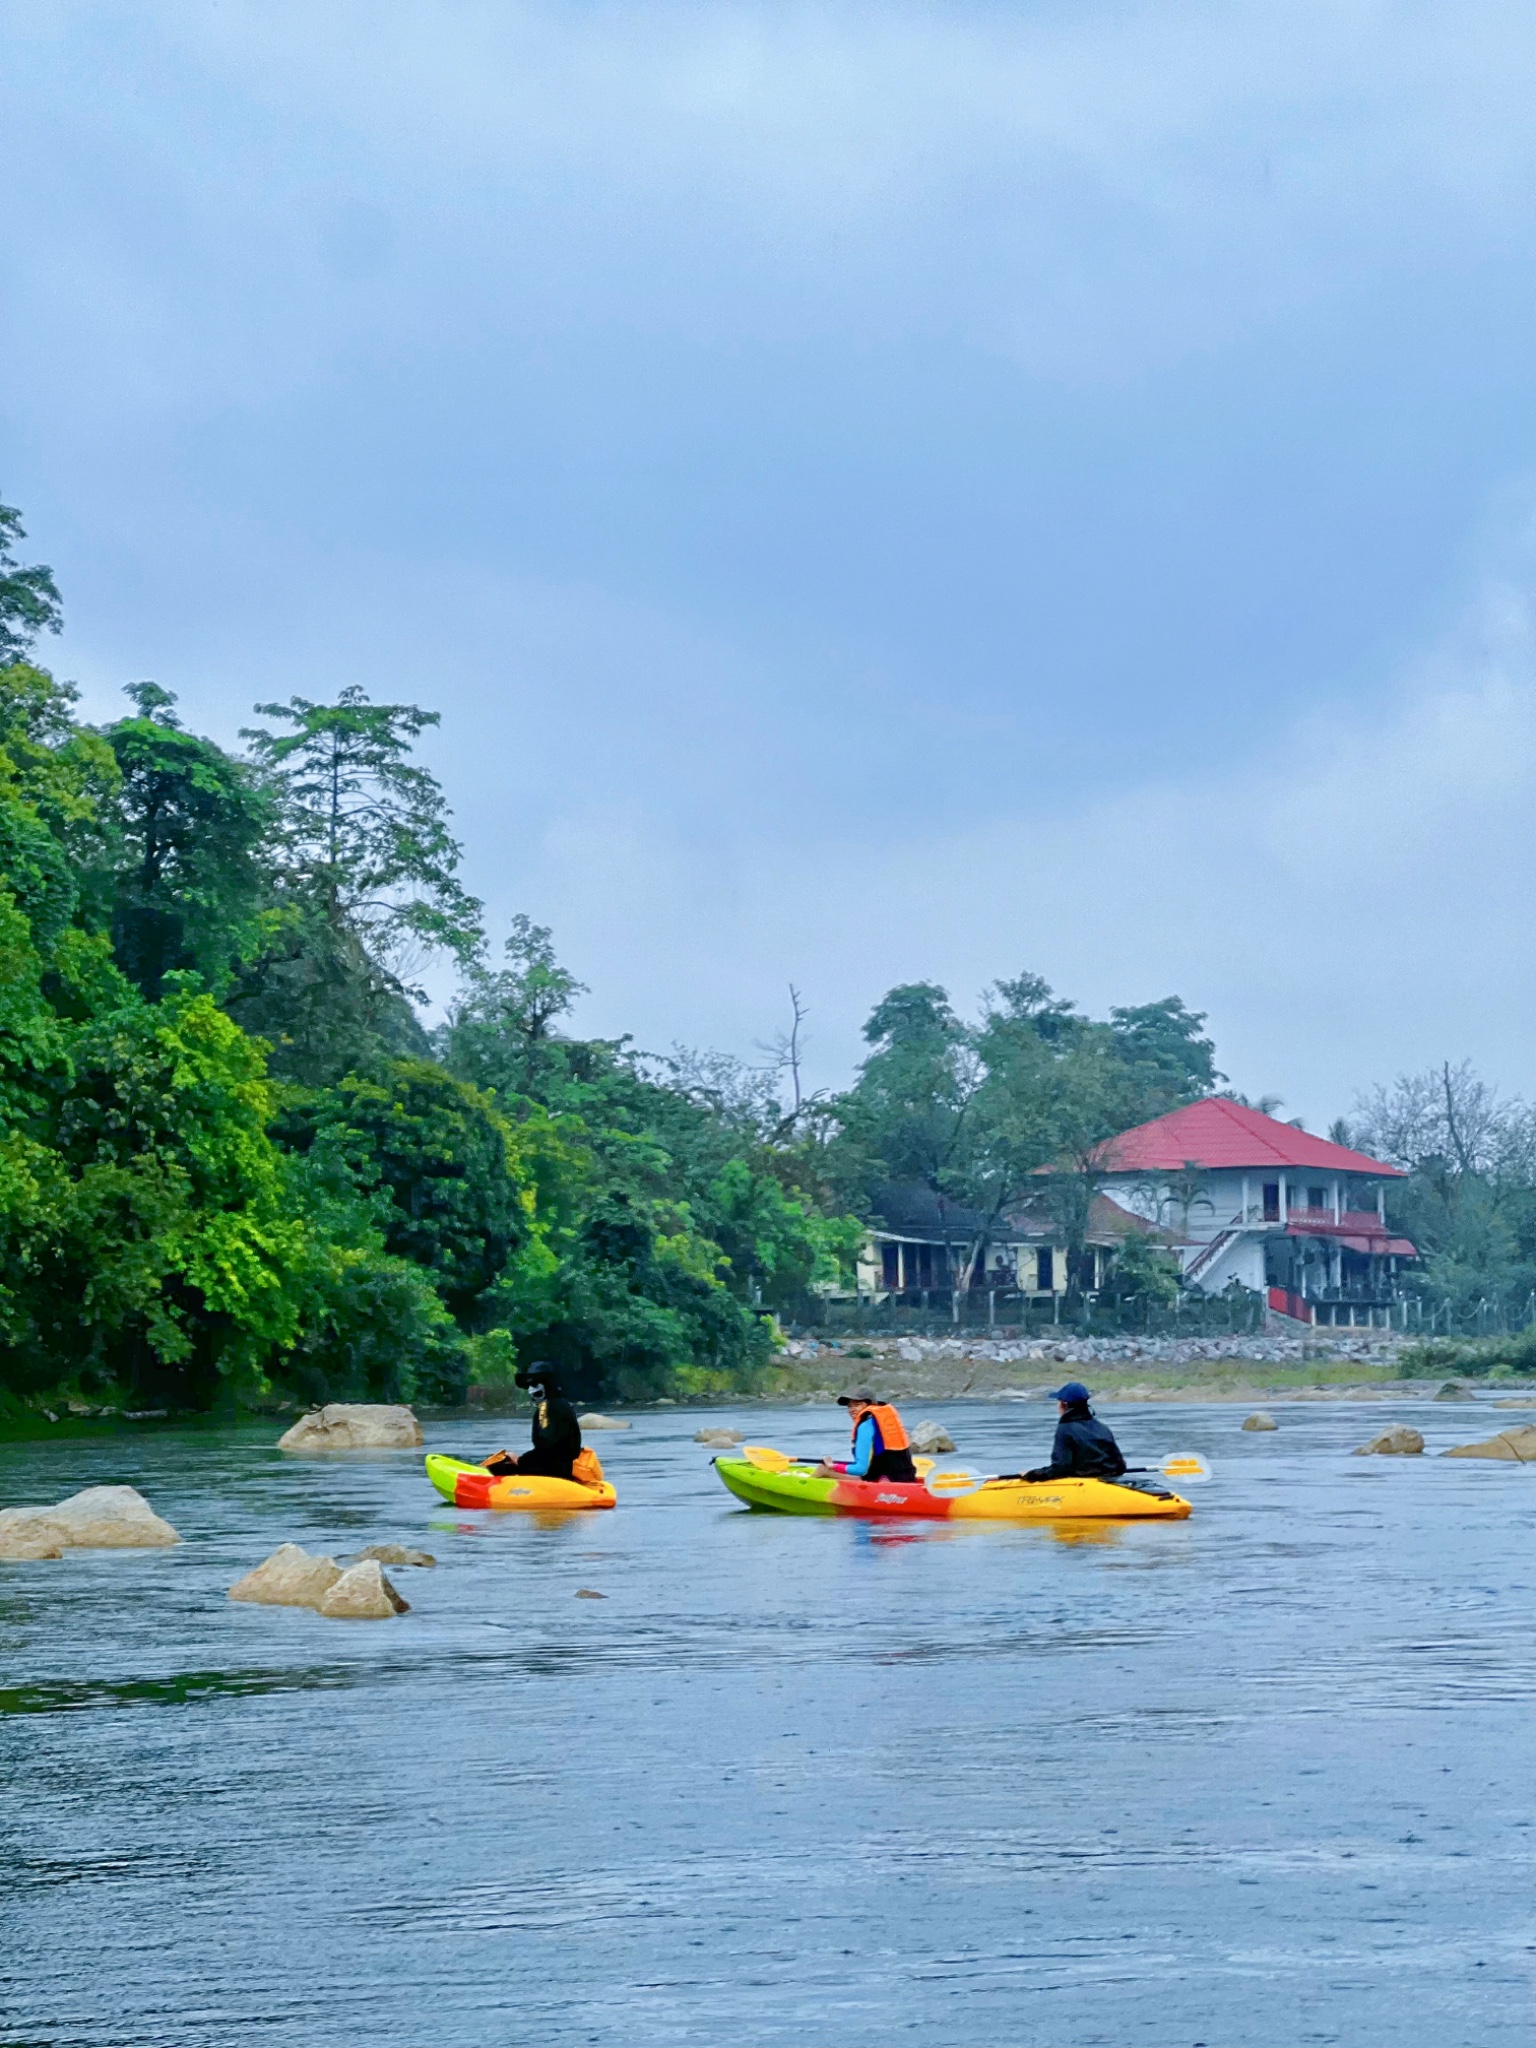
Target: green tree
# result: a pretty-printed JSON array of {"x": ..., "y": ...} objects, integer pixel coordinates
[
  {"x": 444, "y": 1158},
  {"x": 29, "y": 597},
  {"x": 187, "y": 885},
  {"x": 363, "y": 884}
]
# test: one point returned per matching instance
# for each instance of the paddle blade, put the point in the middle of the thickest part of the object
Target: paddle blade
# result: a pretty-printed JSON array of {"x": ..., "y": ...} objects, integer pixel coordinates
[
  {"x": 951, "y": 1482},
  {"x": 766, "y": 1459},
  {"x": 1187, "y": 1465}
]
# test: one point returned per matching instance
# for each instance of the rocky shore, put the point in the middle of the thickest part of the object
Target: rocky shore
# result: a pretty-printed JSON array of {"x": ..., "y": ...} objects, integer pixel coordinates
[{"x": 1318, "y": 1365}]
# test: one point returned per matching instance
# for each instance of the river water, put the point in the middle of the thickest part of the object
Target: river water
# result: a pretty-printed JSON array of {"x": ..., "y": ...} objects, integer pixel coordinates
[{"x": 1263, "y": 1777}]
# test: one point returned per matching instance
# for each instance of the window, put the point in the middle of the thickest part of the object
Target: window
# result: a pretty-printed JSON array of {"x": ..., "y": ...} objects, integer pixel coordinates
[
  {"x": 1317, "y": 1198},
  {"x": 1271, "y": 1201},
  {"x": 1045, "y": 1272},
  {"x": 890, "y": 1273}
]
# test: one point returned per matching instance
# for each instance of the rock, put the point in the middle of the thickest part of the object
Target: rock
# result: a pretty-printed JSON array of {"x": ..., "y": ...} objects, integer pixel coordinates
[
  {"x": 1455, "y": 1390},
  {"x": 363, "y": 1594},
  {"x": 1528, "y": 1402},
  {"x": 721, "y": 1439},
  {"x": 1260, "y": 1420},
  {"x": 290, "y": 1577},
  {"x": 353, "y": 1426},
  {"x": 928, "y": 1437},
  {"x": 1398, "y": 1442},
  {"x": 586, "y": 1593},
  {"x": 29, "y": 1533},
  {"x": 1517, "y": 1445},
  {"x": 111, "y": 1518},
  {"x": 388, "y": 1553},
  {"x": 600, "y": 1422}
]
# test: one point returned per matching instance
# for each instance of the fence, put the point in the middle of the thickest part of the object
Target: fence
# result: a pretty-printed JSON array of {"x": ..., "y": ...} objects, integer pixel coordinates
[
  {"x": 942, "y": 1312},
  {"x": 1497, "y": 1316}
]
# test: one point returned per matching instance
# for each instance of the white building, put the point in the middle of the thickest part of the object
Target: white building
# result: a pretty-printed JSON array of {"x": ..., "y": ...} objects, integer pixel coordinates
[{"x": 1248, "y": 1198}]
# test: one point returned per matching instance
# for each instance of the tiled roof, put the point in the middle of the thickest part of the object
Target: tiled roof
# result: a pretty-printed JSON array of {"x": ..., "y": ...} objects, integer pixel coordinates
[{"x": 1217, "y": 1133}]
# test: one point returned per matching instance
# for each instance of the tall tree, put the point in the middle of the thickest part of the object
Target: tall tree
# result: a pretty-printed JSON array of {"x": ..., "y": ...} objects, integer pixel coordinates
[
  {"x": 29, "y": 597},
  {"x": 364, "y": 885},
  {"x": 191, "y": 821}
]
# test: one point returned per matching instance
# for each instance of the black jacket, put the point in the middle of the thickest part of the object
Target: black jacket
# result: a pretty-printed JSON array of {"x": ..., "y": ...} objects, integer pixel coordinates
[
  {"x": 1084, "y": 1449},
  {"x": 556, "y": 1432}
]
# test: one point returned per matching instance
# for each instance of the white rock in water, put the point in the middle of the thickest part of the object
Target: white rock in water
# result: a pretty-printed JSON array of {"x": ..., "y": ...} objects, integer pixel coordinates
[
  {"x": 602, "y": 1422},
  {"x": 390, "y": 1553},
  {"x": 353, "y": 1426},
  {"x": 111, "y": 1518},
  {"x": 1260, "y": 1421},
  {"x": 363, "y": 1594},
  {"x": 1398, "y": 1442},
  {"x": 718, "y": 1439},
  {"x": 290, "y": 1577},
  {"x": 930, "y": 1437},
  {"x": 1518, "y": 1445},
  {"x": 29, "y": 1533}
]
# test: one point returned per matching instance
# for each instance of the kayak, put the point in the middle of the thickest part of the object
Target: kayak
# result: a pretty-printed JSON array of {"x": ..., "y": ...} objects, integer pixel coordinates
[
  {"x": 471, "y": 1486},
  {"x": 799, "y": 1491}
]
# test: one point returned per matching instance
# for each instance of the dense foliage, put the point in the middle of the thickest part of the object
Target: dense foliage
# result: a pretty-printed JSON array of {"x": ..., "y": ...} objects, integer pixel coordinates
[{"x": 236, "y": 1165}]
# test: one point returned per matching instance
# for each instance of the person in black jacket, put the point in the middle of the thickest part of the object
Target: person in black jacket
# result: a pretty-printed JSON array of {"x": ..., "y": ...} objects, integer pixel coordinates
[
  {"x": 556, "y": 1432},
  {"x": 1084, "y": 1447}
]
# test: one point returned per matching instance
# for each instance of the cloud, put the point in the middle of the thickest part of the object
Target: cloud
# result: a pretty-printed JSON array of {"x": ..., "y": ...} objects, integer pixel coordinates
[{"x": 1351, "y": 905}]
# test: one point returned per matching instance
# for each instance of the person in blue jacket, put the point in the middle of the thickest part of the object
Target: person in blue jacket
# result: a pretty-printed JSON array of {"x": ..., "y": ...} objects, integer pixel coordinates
[
  {"x": 879, "y": 1449},
  {"x": 1084, "y": 1446}
]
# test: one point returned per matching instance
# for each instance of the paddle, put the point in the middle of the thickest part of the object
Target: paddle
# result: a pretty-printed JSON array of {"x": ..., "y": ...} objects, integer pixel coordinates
[
  {"x": 1184, "y": 1465},
  {"x": 768, "y": 1460},
  {"x": 952, "y": 1482}
]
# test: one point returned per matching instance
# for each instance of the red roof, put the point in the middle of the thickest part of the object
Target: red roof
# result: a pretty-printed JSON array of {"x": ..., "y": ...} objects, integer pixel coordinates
[{"x": 1217, "y": 1133}]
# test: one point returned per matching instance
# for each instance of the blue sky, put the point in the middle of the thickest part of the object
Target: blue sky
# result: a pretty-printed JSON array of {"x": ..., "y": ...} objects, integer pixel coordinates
[{"x": 875, "y": 492}]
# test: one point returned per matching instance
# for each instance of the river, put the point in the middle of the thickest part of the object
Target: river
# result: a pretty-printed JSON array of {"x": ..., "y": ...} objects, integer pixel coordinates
[{"x": 1262, "y": 1777}]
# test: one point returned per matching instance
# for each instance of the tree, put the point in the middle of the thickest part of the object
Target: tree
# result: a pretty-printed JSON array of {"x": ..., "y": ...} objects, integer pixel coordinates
[
  {"x": 29, "y": 598},
  {"x": 364, "y": 829},
  {"x": 1163, "y": 1046},
  {"x": 501, "y": 1031},
  {"x": 363, "y": 882},
  {"x": 190, "y": 823},
  {"x": 443, "y": 1158}
]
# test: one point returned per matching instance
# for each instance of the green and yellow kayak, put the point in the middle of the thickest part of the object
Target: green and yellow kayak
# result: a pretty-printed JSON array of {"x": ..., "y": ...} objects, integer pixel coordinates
[
  {"x": 798, "y": 1490},
  {"x": 471, "y": 1486}
]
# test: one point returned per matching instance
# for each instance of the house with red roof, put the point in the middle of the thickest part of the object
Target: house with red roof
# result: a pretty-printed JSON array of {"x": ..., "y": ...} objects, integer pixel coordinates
[{"x": 1248, "y": 1198}]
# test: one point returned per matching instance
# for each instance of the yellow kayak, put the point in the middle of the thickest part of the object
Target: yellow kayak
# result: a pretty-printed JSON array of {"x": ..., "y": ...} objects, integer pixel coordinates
[
  {"x": 799, "y": 1490},
  {"x": 471, "y": 1486}
]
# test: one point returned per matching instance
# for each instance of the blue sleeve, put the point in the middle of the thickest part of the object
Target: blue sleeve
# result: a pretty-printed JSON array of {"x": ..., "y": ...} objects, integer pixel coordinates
[{"x": 863, "y": 1447}]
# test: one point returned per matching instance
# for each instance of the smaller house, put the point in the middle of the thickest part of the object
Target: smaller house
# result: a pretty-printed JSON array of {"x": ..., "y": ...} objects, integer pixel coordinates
[
  {"x": 920, "y": 1243},
  {"x": 1247, "y": 1198}
]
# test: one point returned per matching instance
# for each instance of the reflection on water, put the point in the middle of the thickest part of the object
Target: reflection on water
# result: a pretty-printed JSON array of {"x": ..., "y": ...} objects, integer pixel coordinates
[{"x": 1254, "y": 1778}]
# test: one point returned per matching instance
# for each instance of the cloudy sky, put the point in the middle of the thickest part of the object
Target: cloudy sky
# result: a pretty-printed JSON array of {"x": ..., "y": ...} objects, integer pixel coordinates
[{"x": 876, "y": 492}]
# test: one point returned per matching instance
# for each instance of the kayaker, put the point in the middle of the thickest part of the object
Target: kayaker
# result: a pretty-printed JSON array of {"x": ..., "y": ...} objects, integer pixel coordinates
[
  {"x": 556, "y": 1432},
  {"x": 880, "y": 1448},
  {"x": 1084, "y": 1448}
]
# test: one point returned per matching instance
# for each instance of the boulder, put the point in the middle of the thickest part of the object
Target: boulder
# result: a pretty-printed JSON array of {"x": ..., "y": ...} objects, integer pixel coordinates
[
  {"x": 590, "y": 1422},
  {"x": 353, "y": 1426},
  {"x": 1455, "y": 1390},
  {"x": 1398, "y": 1442},
  {"x": 389, "y": 1553},
  {"x": 28, "y": 1533},
  {"x": 929, "y": 1437},
  {"x": 290, "y": 1577},
  {"x": 720, "y": 1439},
  {"x": 1517, "y": 1445},
  {"x": 111, "y": 1518},
  {"x": 363, "y": 1594},
  {"x": 1260, "y": 1420}
]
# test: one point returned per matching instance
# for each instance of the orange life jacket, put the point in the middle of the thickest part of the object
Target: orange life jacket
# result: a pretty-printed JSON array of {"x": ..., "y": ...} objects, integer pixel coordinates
[{"x": 892, "y": 1436}]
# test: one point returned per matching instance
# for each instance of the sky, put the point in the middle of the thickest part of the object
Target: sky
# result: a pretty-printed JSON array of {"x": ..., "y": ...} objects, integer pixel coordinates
[{"x": 876, "y": 493}]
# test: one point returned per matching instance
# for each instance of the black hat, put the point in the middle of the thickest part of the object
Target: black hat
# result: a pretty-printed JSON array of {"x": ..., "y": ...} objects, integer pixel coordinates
[
  {"x": 537, "y": 1375},
  {"x": 864, "y": 1399}
]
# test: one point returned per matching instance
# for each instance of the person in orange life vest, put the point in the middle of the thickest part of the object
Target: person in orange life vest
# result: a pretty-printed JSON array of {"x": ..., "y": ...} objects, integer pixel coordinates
[
  {"x": 556, "y": 1432},
  {"x": 880, "y": 1449}
]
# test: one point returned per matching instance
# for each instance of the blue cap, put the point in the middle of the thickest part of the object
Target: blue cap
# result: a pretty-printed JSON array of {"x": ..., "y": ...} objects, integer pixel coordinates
[{"x": 1074, "y": 1390}]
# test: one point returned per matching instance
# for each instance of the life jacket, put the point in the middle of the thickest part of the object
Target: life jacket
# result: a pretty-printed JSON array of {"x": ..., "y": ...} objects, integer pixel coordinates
[
  {"x": 887, "y": 1425},
  {"x": 586, "y": 1469}
]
